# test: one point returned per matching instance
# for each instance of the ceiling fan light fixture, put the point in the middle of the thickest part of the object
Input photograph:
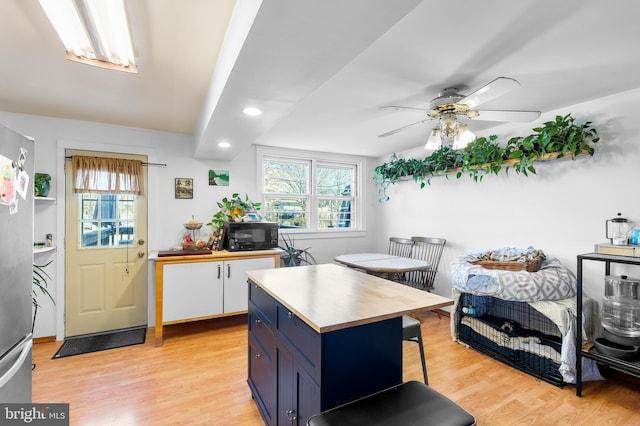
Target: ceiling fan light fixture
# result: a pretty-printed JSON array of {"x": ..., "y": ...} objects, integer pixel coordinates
[
  {"x": 463, "y": 137},
  {"x": 434, "y": 141}
]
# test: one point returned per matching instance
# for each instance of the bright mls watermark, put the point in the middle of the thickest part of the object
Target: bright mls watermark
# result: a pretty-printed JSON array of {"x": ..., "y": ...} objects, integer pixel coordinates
[{"x": 34, "y": 414}]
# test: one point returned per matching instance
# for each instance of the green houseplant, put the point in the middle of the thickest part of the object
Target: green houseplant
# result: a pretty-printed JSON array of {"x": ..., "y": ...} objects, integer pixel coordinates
[
  {"x": 554, "y": 139},
  {"x": 41, "y": 184},
  {"x": 294, "y": 256},
  {"x": 40, "y": 285},
  {"x": 232, "y": 207}
]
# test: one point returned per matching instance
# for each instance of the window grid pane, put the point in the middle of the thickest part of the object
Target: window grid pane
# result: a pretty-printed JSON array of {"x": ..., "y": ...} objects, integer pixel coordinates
[
  {"x": 282, "y": 177},
  {"x": 334, "y": 180},
  {"x": 334, "y": 213},
  {"x": 287, "y": 211},
  {"x": 107, "y": 220}
]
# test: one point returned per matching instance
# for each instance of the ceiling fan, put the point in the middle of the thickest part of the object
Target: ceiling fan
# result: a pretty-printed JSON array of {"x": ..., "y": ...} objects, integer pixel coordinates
[{"x": 450, "y": 105}]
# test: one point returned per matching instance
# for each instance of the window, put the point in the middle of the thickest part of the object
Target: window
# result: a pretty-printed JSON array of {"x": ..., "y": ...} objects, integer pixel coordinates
[
  {"x": 107, "y": 220},
  {"x": 310, "y": 191}
]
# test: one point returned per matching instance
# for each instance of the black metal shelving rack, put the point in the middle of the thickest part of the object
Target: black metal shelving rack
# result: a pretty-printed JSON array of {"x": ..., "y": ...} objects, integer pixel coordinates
[{"x": 631, "y": 368}]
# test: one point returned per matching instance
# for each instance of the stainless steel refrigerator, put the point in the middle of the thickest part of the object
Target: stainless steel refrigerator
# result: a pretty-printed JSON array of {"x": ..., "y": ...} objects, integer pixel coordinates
[{"x": 16, "y": 265}]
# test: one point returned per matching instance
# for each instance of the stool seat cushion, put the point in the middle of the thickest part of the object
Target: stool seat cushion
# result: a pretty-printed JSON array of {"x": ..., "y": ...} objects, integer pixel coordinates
[{"x": 410, "y": 403}]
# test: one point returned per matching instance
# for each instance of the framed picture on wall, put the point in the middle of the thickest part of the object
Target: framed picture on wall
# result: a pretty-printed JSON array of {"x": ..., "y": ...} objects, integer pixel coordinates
[
  {"x": 184, "y": 188},
  {"x": 219, "y": 177}
]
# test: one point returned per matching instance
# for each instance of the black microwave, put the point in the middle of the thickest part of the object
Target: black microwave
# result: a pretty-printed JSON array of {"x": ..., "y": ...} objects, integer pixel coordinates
[{"x": 240, "y": 236}]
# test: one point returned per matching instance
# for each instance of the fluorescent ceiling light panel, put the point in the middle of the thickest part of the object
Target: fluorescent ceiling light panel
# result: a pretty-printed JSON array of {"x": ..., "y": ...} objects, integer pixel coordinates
[{"x": 93, "y": 31}]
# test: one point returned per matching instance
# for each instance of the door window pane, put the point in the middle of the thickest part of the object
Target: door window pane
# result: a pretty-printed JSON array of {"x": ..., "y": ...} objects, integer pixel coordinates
[{"x": 107, "y": 220}]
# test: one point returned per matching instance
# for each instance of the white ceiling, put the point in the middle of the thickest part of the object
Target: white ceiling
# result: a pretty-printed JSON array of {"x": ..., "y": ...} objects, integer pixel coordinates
[{"x": 321, "y": 69}]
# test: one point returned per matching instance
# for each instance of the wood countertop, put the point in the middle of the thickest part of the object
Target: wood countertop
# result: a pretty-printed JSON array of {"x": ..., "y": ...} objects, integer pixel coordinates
[
  {"x": 330, "y": 297},
  {"x": 215, "y": 255}
]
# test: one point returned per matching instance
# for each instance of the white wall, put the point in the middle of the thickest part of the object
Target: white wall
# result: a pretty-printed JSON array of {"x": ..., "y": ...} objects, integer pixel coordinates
[
  {"x": 561, "y": 210},
  {"x": 166, "y": 214}
]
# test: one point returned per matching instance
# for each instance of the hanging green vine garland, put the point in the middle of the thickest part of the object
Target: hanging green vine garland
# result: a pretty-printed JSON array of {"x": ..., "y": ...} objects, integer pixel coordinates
[{"x": 484, "y": 156}]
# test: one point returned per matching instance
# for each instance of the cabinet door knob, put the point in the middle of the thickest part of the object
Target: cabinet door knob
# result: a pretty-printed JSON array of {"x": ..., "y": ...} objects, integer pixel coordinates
[
  {"x": 290, "y": 314},
  {"x": 258, "y": 321},
  {"x": 258, "y": 355}
]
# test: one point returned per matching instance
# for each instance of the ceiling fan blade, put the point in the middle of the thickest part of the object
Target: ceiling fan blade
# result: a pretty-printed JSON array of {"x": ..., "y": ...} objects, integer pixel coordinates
[
  {"x": 511, "y": 115},
  {"x": 402, "y": 108},
  {"x": 493, "y": 89},
  {"x": 400, "y": 129}
]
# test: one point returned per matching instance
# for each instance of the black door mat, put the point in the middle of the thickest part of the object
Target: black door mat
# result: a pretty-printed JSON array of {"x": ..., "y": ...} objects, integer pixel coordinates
[{"x": 101, "y": 341}]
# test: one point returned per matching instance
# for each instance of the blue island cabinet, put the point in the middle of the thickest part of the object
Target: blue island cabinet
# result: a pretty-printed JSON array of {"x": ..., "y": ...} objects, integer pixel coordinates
[{"x": 295, "y": 371}]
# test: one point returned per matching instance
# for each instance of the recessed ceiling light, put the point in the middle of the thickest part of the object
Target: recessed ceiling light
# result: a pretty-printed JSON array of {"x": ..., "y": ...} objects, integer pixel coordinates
[
  {"x": 224, "y": 145},
  {"x": 252, "y": 111}
]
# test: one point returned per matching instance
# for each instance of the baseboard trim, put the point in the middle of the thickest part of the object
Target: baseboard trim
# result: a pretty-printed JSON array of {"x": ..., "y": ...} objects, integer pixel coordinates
[{"x": 45, "y": 339}]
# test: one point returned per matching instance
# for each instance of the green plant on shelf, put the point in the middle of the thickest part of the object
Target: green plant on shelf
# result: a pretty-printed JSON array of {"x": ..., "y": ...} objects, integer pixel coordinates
[{"x": 558, "y": 138}]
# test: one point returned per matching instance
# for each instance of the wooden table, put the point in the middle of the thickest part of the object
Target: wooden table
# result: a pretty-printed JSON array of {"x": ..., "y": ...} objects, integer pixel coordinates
[{"x": 380, "y": 263}]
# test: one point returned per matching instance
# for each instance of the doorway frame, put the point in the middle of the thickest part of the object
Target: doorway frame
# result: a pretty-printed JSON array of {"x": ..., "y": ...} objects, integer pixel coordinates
[{"x": 152, "y": 186}]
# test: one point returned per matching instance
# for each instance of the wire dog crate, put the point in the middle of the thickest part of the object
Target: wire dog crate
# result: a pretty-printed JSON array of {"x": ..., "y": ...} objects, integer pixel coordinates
[{"x": 511, "y": 332}]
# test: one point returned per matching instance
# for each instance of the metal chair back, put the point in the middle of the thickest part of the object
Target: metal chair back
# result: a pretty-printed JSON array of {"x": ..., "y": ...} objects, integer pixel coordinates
[{"x": 430, "y": 250}]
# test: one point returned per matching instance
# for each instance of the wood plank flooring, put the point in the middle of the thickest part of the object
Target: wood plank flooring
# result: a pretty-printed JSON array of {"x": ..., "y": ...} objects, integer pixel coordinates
[{"x": 198, "y": 377}]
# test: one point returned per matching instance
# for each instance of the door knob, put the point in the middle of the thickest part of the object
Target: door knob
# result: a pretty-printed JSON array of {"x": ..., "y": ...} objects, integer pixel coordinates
[
  {"x": 140, "y": 242},
  {"x": 141, "y": 254}
]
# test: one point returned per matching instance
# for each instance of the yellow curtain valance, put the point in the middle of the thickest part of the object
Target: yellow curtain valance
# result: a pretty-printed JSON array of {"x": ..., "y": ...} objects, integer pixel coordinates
[{"x": 101, "y": 175}]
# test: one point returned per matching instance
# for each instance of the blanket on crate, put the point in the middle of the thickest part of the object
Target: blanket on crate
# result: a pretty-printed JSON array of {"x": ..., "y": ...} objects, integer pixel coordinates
[{"x": 552, "y": 282}]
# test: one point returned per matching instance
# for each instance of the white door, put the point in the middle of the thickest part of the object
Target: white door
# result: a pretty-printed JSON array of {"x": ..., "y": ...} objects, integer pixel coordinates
[{"x": 106, "y": 259}]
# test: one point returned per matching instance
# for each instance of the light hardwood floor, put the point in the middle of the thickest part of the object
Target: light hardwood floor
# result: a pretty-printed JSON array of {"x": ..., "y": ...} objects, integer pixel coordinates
[{"x": 198, "y": 377}]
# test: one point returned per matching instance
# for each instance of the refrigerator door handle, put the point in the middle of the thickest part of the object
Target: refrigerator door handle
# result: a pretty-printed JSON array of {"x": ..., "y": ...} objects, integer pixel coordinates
[{"x": 24, "y": 353}]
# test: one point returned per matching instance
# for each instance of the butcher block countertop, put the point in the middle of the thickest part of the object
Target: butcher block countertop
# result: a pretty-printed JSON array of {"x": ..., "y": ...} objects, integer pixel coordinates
[{"x": 330, "y": 297}]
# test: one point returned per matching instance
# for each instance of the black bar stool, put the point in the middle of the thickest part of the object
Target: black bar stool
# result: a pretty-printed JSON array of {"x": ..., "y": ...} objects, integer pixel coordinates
[
  {"x": 411, "y": 403},
  {"x": 412, "y": 333}
]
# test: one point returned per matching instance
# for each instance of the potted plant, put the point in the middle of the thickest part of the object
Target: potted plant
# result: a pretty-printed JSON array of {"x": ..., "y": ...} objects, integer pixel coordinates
[
  {"x": 294, "y": 256},
  {"x": 40, "y": 283},
  {"x": 233, "y": 208},
  {"x": 41, "y": 184}
]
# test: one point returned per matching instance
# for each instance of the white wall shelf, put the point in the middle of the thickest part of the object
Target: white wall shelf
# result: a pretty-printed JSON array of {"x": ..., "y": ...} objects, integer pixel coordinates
[
  {"x": 49, "y": 199},
  {"x": 39, "y": 250}
]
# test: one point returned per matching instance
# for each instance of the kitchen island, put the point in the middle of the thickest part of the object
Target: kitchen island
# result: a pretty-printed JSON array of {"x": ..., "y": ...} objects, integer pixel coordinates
[{"x": 324, "y": 335}]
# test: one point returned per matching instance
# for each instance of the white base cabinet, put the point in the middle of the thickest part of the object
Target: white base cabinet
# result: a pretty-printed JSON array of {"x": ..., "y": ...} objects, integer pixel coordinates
[
  {"x": 197, "y": 287},
  {"x": 190, "y": 291}
]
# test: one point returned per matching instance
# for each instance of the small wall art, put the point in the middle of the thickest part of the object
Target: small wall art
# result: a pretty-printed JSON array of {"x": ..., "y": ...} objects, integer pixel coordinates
[
  {"x": 219, "y": 177},
  {"x": 184, "y": 188}
]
